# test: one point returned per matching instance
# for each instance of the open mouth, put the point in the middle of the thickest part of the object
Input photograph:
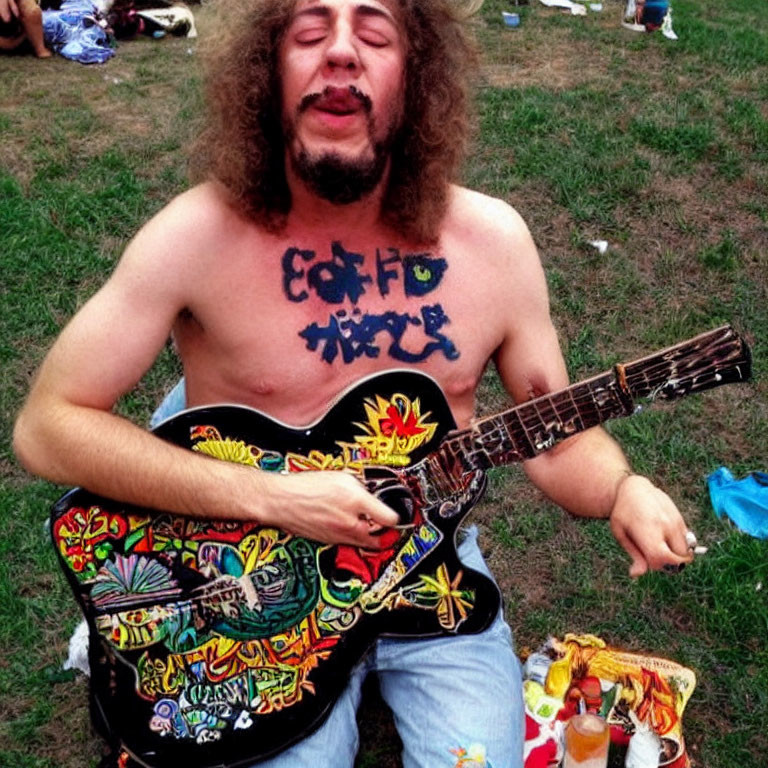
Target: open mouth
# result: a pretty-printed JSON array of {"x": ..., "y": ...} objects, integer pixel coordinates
[
  {"x": 340, "y": 102},
  {"x": 338, "y": 111}
]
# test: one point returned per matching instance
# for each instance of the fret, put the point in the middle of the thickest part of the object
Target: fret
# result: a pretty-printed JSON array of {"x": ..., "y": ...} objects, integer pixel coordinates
[
  {"x": 563, "y": 408},
  {"x": 460, "y": 446},
  {"x": 567, "y": 412},
  {"x": 584, "y": 403},
  {"x": 508, "y": 440},
  {"x": 543, "y": 437},
  {"x": 577, "y": 410},
  {"x": 525, "y": 444},
  {"x": 609, "y": 398},
  {"x": 486, "y": 444},
  {"x": 494, "y": 444},
  {"x": 548, "y": 428}
]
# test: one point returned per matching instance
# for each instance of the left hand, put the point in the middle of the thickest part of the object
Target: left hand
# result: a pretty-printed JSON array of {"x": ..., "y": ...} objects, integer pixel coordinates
[{"x": 648, "y": 524}]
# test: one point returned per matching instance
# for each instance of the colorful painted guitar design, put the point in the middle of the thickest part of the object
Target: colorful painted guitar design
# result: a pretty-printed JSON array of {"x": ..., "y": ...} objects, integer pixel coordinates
[{"x": 219, "y": 644}]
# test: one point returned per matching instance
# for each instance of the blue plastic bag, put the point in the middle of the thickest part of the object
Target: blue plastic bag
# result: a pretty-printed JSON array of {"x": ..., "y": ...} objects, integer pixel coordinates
[{"x": 745, "y": 502}]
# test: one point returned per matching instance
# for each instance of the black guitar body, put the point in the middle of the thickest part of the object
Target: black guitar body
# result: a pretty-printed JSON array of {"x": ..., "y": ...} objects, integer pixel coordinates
[{"x": 219, "y": 644}]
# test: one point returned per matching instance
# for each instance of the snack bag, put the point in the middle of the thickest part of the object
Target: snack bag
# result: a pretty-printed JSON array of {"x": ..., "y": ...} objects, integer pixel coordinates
[{"x": 626, "y": 689}]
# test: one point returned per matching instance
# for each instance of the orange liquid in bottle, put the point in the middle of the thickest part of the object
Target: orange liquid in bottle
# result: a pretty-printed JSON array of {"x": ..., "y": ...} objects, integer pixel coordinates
[{"x": 586, "y": 742}]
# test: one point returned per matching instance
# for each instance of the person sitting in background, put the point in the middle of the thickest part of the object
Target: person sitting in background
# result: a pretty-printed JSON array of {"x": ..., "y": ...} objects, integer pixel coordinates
[{"x": 22, "y": 20}]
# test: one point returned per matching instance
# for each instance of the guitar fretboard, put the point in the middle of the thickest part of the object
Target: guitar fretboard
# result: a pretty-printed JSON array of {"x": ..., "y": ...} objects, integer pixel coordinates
[{"x": 718, "y": 357}]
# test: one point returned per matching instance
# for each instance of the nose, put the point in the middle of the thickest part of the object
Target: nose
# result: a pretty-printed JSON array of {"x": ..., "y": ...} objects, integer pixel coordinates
[{"x": 341, "y": 55}]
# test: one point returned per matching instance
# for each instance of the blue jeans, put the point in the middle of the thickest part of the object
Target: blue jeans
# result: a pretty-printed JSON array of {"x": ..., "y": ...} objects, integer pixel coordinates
[{"x": 445, "y": 692}]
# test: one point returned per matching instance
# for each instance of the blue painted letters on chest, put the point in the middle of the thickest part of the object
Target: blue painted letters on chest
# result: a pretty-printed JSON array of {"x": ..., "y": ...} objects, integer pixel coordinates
[
  {"x": 333, "y": 281},
  {"x": 358, "y": 335},
  {"x": 342, "y": 279}
]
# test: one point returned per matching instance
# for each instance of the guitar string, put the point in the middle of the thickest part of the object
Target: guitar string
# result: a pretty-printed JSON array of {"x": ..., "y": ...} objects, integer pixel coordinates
[
  {"x": 192, "y": 600},
  {"x": 532, "y": 414},
  {"x": 588, "y": 391},
  {"x": 199, "y": 598}
]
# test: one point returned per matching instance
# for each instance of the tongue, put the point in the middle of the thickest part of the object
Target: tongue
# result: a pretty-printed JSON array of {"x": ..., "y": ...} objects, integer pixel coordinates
[{"x": 338, "y": 100}]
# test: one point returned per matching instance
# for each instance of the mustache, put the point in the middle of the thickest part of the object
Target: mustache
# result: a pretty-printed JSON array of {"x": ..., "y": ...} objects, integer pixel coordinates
[{"x": 330, "y": 92}]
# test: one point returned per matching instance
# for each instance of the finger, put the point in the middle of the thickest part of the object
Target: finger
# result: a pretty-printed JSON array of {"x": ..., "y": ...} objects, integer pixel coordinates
[
  {"x": 639, "y": 564},
  {"x": 668, "y": 561},
  {"x": 679, "y": 540},
  {"x": 379, "y": 513}
]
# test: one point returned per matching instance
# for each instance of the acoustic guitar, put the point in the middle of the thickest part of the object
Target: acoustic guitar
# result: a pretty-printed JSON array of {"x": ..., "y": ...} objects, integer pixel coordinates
[{"x": 218, "y": 643}]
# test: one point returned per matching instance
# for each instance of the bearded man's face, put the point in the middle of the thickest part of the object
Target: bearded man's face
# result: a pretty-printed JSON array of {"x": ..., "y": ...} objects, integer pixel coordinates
[{"x": 341, "y": 67}]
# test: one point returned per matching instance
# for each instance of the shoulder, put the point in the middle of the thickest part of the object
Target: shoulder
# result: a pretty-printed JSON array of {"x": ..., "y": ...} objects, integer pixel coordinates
[
  {"x": 200, "y": 213},
  {"x": 194, "y": 226},
  {"x": 488, "y": 225},
  {"x": 493, "y": 235},
  {"x": 177, "y": 250},
  {"x": 498, "y": 252}
]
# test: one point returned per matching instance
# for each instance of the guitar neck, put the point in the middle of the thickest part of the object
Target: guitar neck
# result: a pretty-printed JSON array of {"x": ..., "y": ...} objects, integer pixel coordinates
[{"x": 710, "y": 360}]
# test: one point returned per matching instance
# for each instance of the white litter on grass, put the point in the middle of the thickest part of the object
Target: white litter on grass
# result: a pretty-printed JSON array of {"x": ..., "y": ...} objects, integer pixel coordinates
[
  {"x": 78, "y": 650},
  {"x": 577, "y": 9},
  {"x": 666, "y": 26},
  {"x": 600, "y": 245}
]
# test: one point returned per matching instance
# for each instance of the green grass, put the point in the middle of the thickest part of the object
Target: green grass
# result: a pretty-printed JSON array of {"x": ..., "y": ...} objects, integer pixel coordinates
[{"x": 591, "y": 132}]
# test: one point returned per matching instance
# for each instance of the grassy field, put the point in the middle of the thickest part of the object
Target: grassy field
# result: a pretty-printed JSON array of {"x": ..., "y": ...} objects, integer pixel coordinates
[{"x": 592, "y": 132}]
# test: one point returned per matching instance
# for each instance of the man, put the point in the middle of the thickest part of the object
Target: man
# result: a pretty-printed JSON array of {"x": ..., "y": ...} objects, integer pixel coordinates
[
  {"x": 22, "y": 20},
  {"x": 336, "y": 128}
]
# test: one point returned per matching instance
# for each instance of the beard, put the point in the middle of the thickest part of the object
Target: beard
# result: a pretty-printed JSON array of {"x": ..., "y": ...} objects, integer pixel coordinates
[{"x": 343, "y": 180}]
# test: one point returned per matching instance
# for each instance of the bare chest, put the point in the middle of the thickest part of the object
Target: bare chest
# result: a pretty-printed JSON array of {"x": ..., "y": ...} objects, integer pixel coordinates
[{"x": 286, "y": 330}]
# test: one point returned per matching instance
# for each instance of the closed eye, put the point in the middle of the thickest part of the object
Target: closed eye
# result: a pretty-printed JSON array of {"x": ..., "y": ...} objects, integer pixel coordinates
[
  {"x": 311, "y": 36},
  {"x": 373, "y": 37}
]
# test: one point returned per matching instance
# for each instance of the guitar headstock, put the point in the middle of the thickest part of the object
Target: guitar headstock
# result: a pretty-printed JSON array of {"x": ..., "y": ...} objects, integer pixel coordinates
[{"x": 718, "y": 357}]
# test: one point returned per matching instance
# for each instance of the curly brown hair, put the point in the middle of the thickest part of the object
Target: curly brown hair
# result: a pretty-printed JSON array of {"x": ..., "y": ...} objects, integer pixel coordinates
[{"x": 243, "y": 147}]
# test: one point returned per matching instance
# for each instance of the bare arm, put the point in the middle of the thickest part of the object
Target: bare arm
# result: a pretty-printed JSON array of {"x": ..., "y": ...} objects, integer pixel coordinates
[
  {"x": 67, "y": 433},
  {"x": 588, "y": 474}
]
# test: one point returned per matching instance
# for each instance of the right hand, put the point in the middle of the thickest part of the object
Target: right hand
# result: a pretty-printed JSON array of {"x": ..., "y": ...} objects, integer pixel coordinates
[
  {"x": 8, "y": 10},
  {"x": 332, "y": 507}
]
